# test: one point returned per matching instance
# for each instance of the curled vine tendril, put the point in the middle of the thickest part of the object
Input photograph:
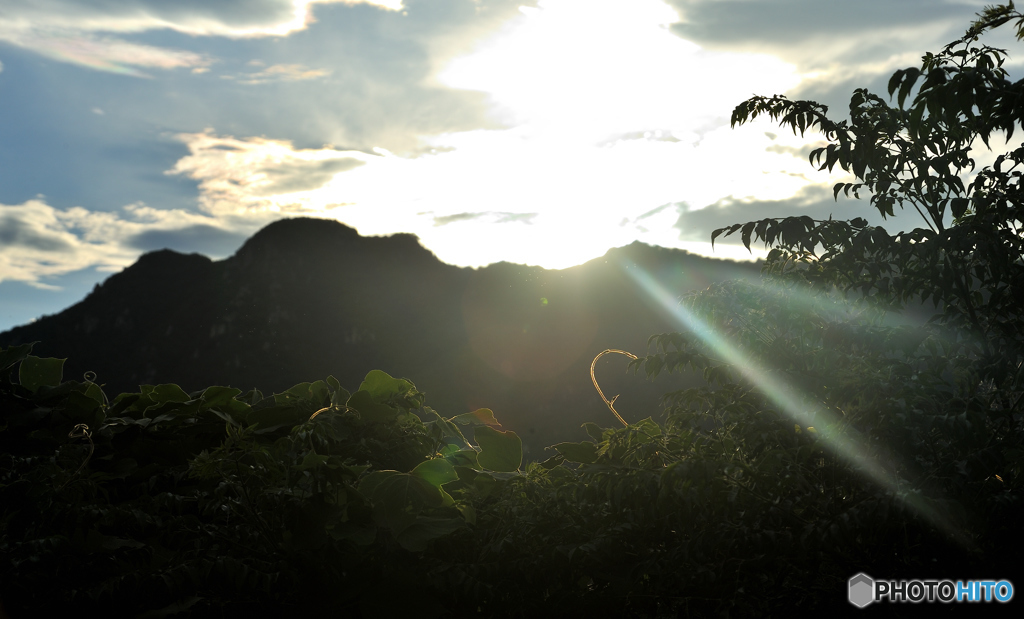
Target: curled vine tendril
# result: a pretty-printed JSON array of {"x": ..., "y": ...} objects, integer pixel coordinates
[
  {"x": 609, "y": 403},
  {"x": 90, "y": 377},
  {"x": 81, "y": 431}
]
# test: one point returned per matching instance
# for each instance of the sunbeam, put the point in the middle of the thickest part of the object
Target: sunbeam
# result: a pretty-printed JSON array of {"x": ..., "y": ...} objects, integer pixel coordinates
[{"x": 803, "y": 408}]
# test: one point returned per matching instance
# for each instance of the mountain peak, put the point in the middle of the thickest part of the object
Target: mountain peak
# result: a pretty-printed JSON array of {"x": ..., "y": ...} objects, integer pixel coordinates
[{"x": 296, "y": 233}]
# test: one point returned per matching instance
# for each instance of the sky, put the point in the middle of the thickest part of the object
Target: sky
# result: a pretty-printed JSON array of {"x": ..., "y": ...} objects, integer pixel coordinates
[{"x": 541, "y": 132}]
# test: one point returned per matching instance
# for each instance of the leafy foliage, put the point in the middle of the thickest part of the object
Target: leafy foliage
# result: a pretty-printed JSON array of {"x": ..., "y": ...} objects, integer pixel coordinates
[
  {"x": 218, "y": 499},
  {"x": 967, "y": 258}
]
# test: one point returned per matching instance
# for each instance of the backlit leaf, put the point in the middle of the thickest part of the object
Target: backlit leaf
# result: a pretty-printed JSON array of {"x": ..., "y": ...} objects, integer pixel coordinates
[
  {"x": 499, "y": 451},
  {"x": 585, "y": 452},
  {"x": 436, "y": 472},
  {"x": 36, "y": 372}
]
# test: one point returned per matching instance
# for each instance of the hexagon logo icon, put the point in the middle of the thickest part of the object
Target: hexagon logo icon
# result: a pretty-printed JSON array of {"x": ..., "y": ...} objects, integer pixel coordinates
[{"x": 862, "y": 589}]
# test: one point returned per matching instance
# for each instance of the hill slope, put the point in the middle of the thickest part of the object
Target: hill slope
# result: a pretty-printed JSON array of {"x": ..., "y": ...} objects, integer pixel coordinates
[{"x": 304, "y": 298}]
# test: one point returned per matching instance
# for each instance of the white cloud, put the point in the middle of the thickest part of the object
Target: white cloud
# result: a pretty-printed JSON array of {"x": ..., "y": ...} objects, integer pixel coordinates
[
  {"x": 260, "y": 175},
  {"x": 38, "y": 241},
  {"x": 78, "y": 31}
]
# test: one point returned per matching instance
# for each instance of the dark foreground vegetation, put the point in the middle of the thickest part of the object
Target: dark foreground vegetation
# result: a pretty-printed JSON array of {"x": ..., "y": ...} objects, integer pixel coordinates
[{"x": 821, "y": 443}]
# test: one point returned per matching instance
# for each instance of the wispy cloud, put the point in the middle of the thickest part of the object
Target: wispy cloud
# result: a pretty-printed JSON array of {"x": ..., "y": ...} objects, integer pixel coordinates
[
  {"x": 500, "y": 218},
  {"x": 102, "y": 53},
  {"x": 82, "y": 32},
  {"x": 279, "y": 73},
  {"x": 253, "y": 175},
  {"x": 230, "y": 19},
  {"x": 39, "y": 241}
]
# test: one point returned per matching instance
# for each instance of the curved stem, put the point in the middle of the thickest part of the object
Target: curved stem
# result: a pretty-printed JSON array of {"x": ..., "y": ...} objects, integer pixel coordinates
[{"x": 609, "y": 403}]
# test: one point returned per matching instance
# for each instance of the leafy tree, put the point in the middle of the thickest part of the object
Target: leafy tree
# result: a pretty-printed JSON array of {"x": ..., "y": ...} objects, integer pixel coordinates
[
  {"x": 919, "y": 448},
  {"x": 967, "y": 258}
]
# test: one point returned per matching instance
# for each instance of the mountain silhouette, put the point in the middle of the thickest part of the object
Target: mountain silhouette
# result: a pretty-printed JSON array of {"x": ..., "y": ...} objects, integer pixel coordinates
[{"x": 306, "y": 298}]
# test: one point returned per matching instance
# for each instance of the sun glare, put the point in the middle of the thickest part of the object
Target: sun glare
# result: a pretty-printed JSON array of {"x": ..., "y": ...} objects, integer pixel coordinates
[{"x": 610, "y": 126}]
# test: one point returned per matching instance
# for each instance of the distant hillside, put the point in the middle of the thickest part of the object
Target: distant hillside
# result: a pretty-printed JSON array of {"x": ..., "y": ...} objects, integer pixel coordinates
[{"x": 305, "y": 298}]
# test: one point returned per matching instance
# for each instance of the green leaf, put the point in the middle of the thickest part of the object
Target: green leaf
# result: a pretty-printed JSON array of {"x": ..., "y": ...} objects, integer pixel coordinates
[
  {"x": 748, "y": 228},
  {"x": 467, "y": 474},
  {"x": 368, "y": 485},
  {"x": 162, "y": 394},
  {"x": 646, "y": 428},
  {"x": 37, "y": 372},
  {"x": 381, "y": 386},
  {"x": 909, "y": 78},
  {"x": 296, "y": 392},
  {"x": 463, "y": 457},
  {"x": 405, "y": 491},
  {"x": 12, "y": 355},
  {"x": 715, "y": 235},
  {"x": 320, "y": 393},
  {"x": 499, "y": 451},
  {"x": 443, "y": 429},
  {"x": 80, "y": 408},
  {"x": 95, "y": 393},
  {"x": 481, "y": 416},
  {"x": 224, "y": 399},
  {"x": 338, "y": 395},
  {"x": 595, "y": 431},
  {"x": 585, "y": 452},
  {"x": 958, "y": 206},
  {"x": 468, "y": 512},
  {"x": 552, "y": 462},
  {"x": 369, "y": 407},
  {"x": 436, "y": 472}
]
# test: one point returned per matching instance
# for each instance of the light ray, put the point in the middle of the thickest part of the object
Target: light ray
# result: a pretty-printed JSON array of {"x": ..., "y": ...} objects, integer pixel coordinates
[{"x": 839, "y": 437}]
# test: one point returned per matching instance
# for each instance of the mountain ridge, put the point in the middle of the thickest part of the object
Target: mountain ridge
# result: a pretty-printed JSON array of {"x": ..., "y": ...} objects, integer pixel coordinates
[{"x": 305, "y": 298}]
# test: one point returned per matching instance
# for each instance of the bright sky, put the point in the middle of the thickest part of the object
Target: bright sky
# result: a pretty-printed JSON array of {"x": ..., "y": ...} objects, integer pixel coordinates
[{"x": 541, "y": 133}]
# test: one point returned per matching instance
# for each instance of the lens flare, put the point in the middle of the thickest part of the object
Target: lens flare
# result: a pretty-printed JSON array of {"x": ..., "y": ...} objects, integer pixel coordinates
[{"x": 830, "y": 427}]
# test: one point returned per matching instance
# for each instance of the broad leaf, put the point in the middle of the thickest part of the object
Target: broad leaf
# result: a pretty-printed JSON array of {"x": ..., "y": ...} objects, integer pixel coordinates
[
  {"x": 12, "y": 355},
  {"x": 499, "y": 451},
  {"x": 369, "y": 407},
  {"x": 37, "y": 372},
  {"x": 436, "y": 472},
  {"x": 481, "y": 416},
  {"x": 381, "y": 385}
]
